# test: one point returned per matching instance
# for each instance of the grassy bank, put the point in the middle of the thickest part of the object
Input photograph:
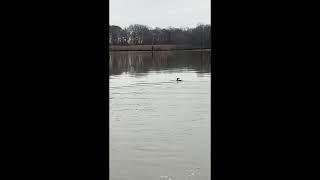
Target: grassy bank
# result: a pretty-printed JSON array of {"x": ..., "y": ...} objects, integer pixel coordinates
[{"x": 167, "y": 47}]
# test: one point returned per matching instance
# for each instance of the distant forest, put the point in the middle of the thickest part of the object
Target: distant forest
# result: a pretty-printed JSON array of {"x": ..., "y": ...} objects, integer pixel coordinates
[{"x": 137, "y": 34}]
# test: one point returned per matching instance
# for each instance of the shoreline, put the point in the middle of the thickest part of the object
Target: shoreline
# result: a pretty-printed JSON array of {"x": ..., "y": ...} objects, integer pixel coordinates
[
  {"x": 160, "y": 50},
  {"x": 147, "y": 50},
  {"x": 154, "y": 48}
]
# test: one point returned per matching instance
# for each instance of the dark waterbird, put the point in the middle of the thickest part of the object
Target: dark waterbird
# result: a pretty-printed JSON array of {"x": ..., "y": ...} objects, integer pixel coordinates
[{"x": 178, "y": 79}]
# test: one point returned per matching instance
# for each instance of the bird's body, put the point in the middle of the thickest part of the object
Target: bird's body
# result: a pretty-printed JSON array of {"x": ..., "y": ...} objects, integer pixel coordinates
[{"x": 178, "y": 79}]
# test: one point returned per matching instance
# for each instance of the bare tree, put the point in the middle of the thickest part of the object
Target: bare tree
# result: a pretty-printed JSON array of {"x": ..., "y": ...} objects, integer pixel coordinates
[{"x": 137, "y": 34}]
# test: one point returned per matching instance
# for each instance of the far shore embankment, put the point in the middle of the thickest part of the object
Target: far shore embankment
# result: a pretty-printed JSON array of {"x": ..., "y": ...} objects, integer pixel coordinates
[{"x": 168, "y": 47}]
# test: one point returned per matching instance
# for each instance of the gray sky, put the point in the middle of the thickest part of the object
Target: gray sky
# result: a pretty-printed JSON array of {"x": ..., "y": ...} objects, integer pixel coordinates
[{"x": 159, "y": 13}]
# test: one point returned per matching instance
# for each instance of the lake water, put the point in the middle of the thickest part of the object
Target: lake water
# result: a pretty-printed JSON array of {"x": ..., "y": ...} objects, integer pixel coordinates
[{"x": 160, "y": 129}]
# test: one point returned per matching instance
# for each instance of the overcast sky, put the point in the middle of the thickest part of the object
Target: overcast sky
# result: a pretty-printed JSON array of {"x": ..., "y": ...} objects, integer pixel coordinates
[{"x": 159, "y": 13}]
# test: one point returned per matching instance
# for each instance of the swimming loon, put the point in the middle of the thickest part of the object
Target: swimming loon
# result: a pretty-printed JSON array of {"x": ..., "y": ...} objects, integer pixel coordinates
[{"x": 178, "y": 79}]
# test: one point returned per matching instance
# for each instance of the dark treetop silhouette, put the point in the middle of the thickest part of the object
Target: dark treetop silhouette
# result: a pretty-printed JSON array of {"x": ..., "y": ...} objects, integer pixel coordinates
[{"x": 136, "y": 34}]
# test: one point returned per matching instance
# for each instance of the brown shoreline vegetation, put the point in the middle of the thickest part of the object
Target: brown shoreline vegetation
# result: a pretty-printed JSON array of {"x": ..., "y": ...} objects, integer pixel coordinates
[{"x": 162, "y": 47}]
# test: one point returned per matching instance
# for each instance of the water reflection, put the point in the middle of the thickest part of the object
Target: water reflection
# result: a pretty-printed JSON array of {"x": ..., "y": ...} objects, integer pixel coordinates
[
  {"x": 143, "y": 62},
  {"x": 159, "y": 128}
]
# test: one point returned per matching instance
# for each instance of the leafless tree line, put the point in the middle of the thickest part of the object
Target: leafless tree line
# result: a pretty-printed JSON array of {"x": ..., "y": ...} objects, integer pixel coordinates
[{"x": 137, "y": 34}]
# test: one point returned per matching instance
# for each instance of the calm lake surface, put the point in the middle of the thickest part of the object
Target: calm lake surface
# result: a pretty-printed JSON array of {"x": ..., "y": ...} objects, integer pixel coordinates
[{"x": 160, "y": 129}]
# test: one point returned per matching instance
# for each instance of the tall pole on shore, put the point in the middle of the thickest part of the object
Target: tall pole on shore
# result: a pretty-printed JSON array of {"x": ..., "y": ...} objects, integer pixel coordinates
[
  {"x": 152, "y": 43},
  {"x": 202, "y": 38}
]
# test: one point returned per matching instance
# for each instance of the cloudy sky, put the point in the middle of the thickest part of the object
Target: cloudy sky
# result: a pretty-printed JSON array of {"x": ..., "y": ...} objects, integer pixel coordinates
[{"x": 159, "y": 13}]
